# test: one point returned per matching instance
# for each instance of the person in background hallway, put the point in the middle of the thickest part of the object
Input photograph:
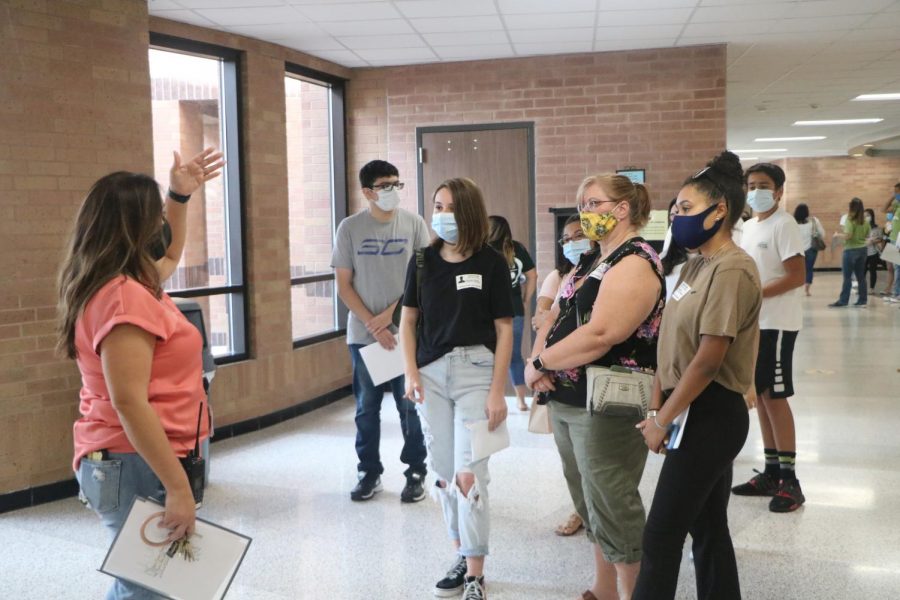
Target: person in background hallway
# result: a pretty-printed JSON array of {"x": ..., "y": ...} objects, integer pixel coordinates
[
  {"x": 674, "y": 256},
  {"x": 892, "y": 212},
  {"x": 607, "y": 315},
  {"x": 874, "y": 245},
  {"x": 706, "y": 348},
  {"x": 810, "y": 228},
  {"x": 139, "y": 357},
  {"x": 853, "y": 262},
  {"x": 456, "y": 335},
  {"x": 772, "y": 238},
  {"x": 371, "y": 251},
  {"x": 523, "y": 278},
  {"x": 574, "y": 245}
]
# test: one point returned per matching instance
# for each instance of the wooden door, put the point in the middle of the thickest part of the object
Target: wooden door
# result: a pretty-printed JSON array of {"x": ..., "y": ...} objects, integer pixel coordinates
[{"x": 500, "y": 161}]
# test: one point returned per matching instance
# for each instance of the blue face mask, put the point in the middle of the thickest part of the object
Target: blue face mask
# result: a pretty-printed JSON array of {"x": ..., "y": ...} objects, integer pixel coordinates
[
  {"x": 574, "y": 249},
  {"x": 896, "y": 196},
  {"x": 444, "y": 225},
  {"x": 688, "y": 231}
]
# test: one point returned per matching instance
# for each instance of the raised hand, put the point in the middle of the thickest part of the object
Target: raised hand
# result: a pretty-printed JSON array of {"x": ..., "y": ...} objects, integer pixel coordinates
[{"x": 186, "y": 177}]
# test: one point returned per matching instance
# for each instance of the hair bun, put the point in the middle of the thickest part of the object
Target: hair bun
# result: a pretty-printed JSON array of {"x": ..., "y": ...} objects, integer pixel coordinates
[{"x": 727, "y": 163}]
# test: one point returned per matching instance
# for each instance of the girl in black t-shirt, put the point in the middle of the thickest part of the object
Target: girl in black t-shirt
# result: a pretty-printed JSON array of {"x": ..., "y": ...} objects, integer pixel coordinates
[{"x": 456, "y": 336}]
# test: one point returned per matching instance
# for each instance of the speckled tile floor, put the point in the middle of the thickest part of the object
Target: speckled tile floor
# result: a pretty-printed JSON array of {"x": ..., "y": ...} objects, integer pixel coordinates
[{"x": 287, "y": 487}]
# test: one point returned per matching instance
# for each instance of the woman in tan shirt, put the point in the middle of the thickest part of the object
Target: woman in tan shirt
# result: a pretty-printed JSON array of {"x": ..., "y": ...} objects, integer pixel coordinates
[{"x": 706, "y": 347}]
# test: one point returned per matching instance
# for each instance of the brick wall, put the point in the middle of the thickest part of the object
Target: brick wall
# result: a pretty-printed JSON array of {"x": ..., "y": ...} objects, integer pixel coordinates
[
  {"x": 660, "y": 110},
  {"x": 75, "y": 105},
  {"x": 827, "y": 184}
]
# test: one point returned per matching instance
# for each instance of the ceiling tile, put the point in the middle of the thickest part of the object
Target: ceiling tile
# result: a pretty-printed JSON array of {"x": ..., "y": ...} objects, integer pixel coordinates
[
  {"x": 421, "y": 9},
  {"x": 745, "y": 12},
  {"x": 469, "y": 37},
  {"x": 228, "y": 3},
  {"x": 606, "y": 45},
  {"x": 396, "y": 54},
  {"x": 531, "y": 36},
  {"x": 390, "y": 27},
  {"x": 549, "y": 20},
  {"x": 614, "y": 18},
  {"x": 515, "y": 7},
  {"x": 525, "y": 48},
  {"x": 475, "y": 52},
  {"x": 647, "y": 4},
  {"x": 310, "y": 43},
  {"x": 381, "y": 41},
  {"x": 154, "y": 5},
  {"x": 649, "y": 32},
  {"x": 342, "y": 57},
  {"x": 261, "y": 15},
  {"x": 449, "y": 24},
  {"x": 326, "y": 11},
  {"x": 832, "y": 8},
  {"x": 276, "y": 31}
]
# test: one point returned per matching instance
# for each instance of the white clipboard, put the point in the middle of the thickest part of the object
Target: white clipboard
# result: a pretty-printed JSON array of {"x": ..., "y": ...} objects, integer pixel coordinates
[
  {"x": 382, "y": 365},
  {"x": 134, "y": 557}
]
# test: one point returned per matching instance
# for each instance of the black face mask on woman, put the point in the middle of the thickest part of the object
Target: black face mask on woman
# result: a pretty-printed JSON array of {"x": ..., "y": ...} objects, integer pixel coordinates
[
  {"x": 160, "y": 245},
  {"x": 688, "y": 231}
]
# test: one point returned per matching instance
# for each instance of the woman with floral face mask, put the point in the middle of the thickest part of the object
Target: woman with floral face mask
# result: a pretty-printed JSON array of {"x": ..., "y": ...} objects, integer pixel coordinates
[
  {"x": 607, "y": 316},
  {"x": 706, "y": 349}
]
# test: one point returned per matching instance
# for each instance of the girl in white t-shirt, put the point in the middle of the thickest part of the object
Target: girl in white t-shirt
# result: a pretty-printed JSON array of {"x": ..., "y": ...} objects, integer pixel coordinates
[{"x": 810, "y": 228}]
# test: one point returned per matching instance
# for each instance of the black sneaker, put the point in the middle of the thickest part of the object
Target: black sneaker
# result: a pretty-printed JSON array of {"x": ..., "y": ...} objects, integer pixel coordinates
[
  {"x": 368, "y": 486},
  {"x": 414, "y": 490},
  {"x": 760, "y": 485},
  {"x": 788, "y": 498},
  {"x": 474, "y": 589},
  {"x": 452, "y": 583}
]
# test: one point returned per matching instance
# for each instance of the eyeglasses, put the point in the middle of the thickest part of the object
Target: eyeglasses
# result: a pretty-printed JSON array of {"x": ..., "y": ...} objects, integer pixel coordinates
[
  {"x": 389, "y": 187},
  {"x": 593, "y": 203},
  {"x": 566, "y": 239}
]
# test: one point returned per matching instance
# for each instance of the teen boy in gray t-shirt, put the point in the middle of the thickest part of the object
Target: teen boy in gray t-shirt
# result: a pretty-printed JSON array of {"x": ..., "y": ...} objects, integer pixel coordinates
[{"x": 371, "y": 254}]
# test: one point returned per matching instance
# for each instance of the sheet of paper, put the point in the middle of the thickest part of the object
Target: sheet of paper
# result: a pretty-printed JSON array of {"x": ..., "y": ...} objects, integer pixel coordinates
[
  {"x": 383, "y": 365},
  {"x": 890, "y": 254},
  {"x": 677, "y": 431},
  {"x": 484, "y": 442},
  {"x": 137, "y": 556}
]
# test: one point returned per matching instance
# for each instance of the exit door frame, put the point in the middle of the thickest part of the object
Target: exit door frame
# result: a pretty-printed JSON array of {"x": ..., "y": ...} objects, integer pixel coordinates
[{"x": 528, "y": 126}]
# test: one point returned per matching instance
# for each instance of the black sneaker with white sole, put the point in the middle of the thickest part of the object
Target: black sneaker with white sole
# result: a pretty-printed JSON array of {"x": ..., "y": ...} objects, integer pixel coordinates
[
  {"x": 414, "y": 490},
  {"x": 366, "y": 488},
  {"x": 453, "y": 582}
]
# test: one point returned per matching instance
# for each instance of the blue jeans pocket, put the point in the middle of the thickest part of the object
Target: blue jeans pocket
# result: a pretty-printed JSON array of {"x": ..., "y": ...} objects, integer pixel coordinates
[{"x": 99, "y": 480}]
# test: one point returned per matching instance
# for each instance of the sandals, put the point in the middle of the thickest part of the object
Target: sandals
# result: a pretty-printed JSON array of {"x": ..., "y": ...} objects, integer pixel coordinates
[
  {"x": 570, "y": 527},
  {"x": 523, "y": 406}
]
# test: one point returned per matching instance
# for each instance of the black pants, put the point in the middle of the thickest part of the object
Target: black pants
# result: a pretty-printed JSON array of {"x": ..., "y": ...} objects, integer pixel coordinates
[
  {"x": 692, "y": 497},
  {"x": 872, "y": 263}
]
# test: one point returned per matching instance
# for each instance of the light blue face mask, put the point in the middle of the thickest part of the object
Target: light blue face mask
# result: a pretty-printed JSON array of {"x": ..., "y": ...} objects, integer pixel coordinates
[
  {"x": 574, "y": 249},
  {"x": 444, "y": 225}
]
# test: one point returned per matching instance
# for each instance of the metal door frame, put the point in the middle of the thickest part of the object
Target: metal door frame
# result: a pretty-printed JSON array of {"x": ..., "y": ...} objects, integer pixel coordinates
[{"x": 528, "y": 126}]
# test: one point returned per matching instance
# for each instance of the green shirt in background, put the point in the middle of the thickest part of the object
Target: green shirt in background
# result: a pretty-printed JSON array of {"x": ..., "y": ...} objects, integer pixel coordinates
[
  {"x": 856, "y": 235},
  {"x": 895, "y": 228}
]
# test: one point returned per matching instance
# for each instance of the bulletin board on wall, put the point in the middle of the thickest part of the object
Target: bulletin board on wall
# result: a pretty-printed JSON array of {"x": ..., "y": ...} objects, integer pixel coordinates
[{"x": 634, "y": 174}]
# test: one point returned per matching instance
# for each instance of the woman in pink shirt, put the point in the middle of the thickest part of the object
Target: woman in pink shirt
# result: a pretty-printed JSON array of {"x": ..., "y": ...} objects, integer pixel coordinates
[{"x": 139, "y": 357}]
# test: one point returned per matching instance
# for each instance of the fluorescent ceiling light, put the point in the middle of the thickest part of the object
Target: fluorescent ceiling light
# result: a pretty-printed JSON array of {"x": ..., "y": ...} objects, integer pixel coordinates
[
  {"x": 808, "y": 138},
  {"x": 878, "y": 97},
  {"x": 749, "y": 158},
  {"x": 761, "y": 150},
  {"x": 840, "y": 122},
  {"x": 868, "y": 145},
  {"x": 857, "y": 155}
]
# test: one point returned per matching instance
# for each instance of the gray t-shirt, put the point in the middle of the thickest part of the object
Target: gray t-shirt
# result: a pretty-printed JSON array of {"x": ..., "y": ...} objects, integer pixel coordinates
[{"x": 378, "y": 254}]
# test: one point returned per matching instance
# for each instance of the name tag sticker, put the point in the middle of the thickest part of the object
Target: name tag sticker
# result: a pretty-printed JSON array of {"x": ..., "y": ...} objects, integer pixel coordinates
[
  {"x": 681, "y": 291},
  {"x": 465, "y": 282}
]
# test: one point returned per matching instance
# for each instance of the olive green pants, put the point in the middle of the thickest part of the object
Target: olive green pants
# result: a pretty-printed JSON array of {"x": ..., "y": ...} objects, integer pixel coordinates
[{"x": 603, "y": 459}]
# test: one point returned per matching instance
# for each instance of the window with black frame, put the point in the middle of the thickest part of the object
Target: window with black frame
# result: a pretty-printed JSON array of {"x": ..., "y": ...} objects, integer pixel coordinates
[
  {"x": 317, "y": 200},
  {"x": 194, "y": 99}
]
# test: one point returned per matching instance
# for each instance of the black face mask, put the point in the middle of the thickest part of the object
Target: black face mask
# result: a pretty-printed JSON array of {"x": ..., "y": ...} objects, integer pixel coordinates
[{"x": 160, "y": 245}]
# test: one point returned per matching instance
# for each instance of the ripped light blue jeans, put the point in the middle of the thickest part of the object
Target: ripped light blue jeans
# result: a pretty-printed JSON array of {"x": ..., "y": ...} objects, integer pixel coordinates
[{"x": 456, "y": 389}]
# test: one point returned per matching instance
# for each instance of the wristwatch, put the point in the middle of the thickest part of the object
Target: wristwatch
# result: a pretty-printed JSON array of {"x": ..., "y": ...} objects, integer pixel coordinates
[
  {"x": 538, "y": 364},
  {"x": 651, "y": 414}
]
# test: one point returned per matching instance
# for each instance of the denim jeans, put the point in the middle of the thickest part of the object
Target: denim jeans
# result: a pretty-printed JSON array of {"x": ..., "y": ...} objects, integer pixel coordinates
[
  {"x": 109, "y": 486},
  {"x": 517, "y": 364},
  {"x": 896, "y": 290},
  {"x": 368, "y": 421},
  {"x": 811, "y": 254},
  {"x": 456, "y": 389},
  {"x": 854, "y": 263}
]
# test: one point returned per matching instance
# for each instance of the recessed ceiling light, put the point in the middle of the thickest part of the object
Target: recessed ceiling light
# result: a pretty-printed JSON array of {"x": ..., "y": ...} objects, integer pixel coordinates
[
  {"x": 878, "y": 97},
  {"x": 808, "y": 138},
  {"x": 840, "y": 122},
  {"x": 761, "y": 150}
]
